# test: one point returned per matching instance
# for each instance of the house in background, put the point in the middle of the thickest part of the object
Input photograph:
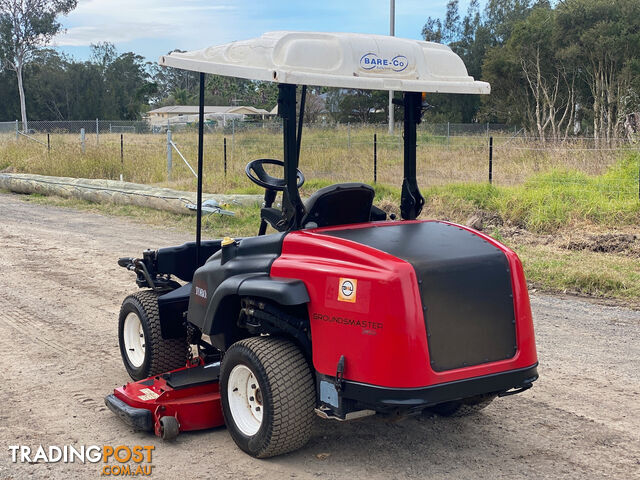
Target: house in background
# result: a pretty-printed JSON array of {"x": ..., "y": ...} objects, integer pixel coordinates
[{"x": 185, "y": 114}]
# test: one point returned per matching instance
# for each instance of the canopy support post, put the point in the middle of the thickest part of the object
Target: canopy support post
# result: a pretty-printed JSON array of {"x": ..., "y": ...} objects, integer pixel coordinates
[
  {"x": 303, "y": 98},
  {"x": 200, "y": 161},
  {"x": 411, "y": 199},
  {"x": 292, "y": 208}
]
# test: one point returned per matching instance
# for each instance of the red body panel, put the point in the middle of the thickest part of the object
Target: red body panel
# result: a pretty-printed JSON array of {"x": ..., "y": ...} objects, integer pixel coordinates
[
  {"x": 195, "y": 408},
  {"x": 382, "y": 334}
]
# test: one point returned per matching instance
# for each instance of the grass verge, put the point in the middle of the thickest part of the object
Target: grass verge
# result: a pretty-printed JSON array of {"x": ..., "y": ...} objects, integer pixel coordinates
[
  {"x": 549, "y": 202},
  {"x": 600, "y": 275}
]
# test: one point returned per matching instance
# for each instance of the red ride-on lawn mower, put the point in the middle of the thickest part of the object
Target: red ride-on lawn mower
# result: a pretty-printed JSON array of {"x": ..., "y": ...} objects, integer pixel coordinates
[{"x": 341, "y": 312}]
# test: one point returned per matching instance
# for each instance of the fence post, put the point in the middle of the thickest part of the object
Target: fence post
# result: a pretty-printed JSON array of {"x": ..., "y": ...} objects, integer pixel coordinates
[
  {"x": 233, "y": 136},
  {"x": 82, "y": 140},
  {"x": 448, "y": 136},
  {"x": 349, "y": 135},
  {"x": 225, "y": 156},
  {"x": 487, "y": 129},
  {"x": 375, "y": 158},
  {"x": 121, "y": 156},
  {"x": 169, "y": 155},
  {"x": 490, "y": 160},
  {"x": 48, "y": 143},
  {"x": 17, "y": 131},
  {"x": 97, "y": 132}
]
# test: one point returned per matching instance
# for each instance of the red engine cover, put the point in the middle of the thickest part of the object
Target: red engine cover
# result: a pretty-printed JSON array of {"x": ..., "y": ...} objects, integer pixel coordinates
[{"x": 382, "y": 331}]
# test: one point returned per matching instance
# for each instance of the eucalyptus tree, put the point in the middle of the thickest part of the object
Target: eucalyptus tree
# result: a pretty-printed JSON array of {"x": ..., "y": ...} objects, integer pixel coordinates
[{"x": 26, "y": 26}]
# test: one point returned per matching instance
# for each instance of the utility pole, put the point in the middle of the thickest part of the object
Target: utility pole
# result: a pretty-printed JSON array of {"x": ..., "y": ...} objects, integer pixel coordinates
[{"x": 392, "y": 32}]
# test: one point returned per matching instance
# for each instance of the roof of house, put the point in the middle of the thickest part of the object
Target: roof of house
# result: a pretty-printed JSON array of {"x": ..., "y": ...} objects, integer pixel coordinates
[{"x": 193, "y": 110}]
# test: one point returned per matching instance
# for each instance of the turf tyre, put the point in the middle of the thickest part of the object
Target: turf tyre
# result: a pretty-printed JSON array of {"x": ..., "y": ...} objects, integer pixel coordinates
[
  {"x": 287, "y": 392},
  {"x": 160, "y": 355}
]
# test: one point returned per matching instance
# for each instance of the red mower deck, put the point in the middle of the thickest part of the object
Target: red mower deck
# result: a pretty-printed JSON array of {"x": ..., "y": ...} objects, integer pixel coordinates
[{"x": 178, "y": 401}]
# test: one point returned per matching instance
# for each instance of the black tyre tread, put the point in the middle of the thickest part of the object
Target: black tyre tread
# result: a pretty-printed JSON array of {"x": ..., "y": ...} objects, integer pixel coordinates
[
  {"x": 170, "y": 428},
  {"x": 293, "y": 393},
  {"x": 166, "y": 354}
]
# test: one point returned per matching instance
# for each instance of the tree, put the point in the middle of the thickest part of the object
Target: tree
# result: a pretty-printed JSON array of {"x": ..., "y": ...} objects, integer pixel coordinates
[
  {"x": 46, "y": 79},
  {"x": 435, "y": 30},
  {"x": 469, "y": 38},
  {"x": 604, "y": 37},
  {"x": 126, "y": 87},
  {"x": 169, "y": 80},
  {"x": 363, "y": 106},
  {"x": 549, "y": 75},
  {"x": 313, "y": 107},
  {"x": 181, "y": 96},
  {"x": 25, "y": 26},
  {"x": 502, "y": 15}
]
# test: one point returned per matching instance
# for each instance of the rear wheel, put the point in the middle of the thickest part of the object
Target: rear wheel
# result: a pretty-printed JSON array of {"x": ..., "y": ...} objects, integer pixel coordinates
[
  {"x": 268, "y": 396},
  {"x": 144, "y": 352},
  {"x": 462, "y": 408}
]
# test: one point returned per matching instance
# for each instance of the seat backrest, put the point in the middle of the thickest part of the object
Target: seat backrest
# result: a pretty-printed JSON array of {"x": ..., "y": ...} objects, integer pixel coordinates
[{"x": 339, "y": 204}]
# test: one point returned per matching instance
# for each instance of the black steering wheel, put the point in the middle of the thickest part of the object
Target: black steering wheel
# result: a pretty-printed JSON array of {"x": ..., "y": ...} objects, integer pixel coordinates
[{"x": 257, "y": 174}]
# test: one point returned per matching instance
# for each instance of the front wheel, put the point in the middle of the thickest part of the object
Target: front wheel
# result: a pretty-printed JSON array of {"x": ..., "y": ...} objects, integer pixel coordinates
[
  {"x": 144, "y": 352},
  {"x": 268, "y": 396}
]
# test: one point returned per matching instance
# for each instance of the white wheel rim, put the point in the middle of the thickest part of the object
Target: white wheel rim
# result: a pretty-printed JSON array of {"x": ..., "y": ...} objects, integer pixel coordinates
[
  {"x": 134, "y": 341},
  {"x": 245, "y": 400}
]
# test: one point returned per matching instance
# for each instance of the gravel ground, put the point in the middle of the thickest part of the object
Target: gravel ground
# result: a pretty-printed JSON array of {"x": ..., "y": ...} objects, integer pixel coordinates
[{"x": 60, "y": 292}]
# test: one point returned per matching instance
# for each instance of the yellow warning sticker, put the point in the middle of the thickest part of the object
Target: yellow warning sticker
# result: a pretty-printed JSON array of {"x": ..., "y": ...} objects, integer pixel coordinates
[
  {"x": 347, "y": 290},
  {"x": 148, "y": 394}
]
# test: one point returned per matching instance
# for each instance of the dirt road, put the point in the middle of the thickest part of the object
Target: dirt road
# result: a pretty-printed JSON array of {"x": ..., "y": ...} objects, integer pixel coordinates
[{"x": 60, "y": 291}]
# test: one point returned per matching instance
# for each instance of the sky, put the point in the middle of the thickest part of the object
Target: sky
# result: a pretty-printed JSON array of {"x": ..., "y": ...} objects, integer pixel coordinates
[{"x": 154, "y": 27}]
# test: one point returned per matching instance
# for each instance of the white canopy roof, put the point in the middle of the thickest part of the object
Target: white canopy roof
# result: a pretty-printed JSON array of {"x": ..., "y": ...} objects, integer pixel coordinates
[{"x": 346, "y": 60}]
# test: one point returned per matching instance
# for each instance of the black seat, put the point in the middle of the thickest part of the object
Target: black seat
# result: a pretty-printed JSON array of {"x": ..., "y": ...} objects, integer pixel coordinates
[{"x": 340, "y": 204}]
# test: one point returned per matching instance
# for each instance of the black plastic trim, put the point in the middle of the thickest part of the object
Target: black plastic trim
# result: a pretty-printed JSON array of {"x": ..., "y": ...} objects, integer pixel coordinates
[
  {"x": 138, "y": 418},
  {"x": 192, "y": 377},
  {"x": 171, "y": 307},
  {"x": 180, "y": 260},
  {"x": 284, "y": 291},
  {"x": 374, "y": 395}
]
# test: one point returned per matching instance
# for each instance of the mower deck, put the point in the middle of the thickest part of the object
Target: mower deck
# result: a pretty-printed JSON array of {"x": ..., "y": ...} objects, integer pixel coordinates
[{"x": 189, "y": 394}]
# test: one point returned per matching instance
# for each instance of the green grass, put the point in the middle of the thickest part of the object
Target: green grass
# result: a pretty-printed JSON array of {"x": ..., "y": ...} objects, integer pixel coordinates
[
  {"x": 587, "y": 273},
  {"x": 549, "y": 201}
]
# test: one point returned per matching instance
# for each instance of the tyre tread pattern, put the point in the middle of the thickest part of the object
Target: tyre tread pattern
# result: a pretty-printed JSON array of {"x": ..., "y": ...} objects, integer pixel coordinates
[
  {"x": 293, "y": 393},
  {"x": 166, "y": 354}
]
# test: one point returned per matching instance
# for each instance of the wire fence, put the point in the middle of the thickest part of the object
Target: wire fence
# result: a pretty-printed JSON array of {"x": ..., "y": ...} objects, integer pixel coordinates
[
  {"x": 447, "y": 153},
  {"x": 231, "y": 125}
]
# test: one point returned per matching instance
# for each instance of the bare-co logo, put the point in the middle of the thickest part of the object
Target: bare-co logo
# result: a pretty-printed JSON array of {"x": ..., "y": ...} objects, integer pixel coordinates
[
  {"x": 201, "y": 292},
  {"x": 372, "y": 61},
  {"x": 347, "y": 290}
]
